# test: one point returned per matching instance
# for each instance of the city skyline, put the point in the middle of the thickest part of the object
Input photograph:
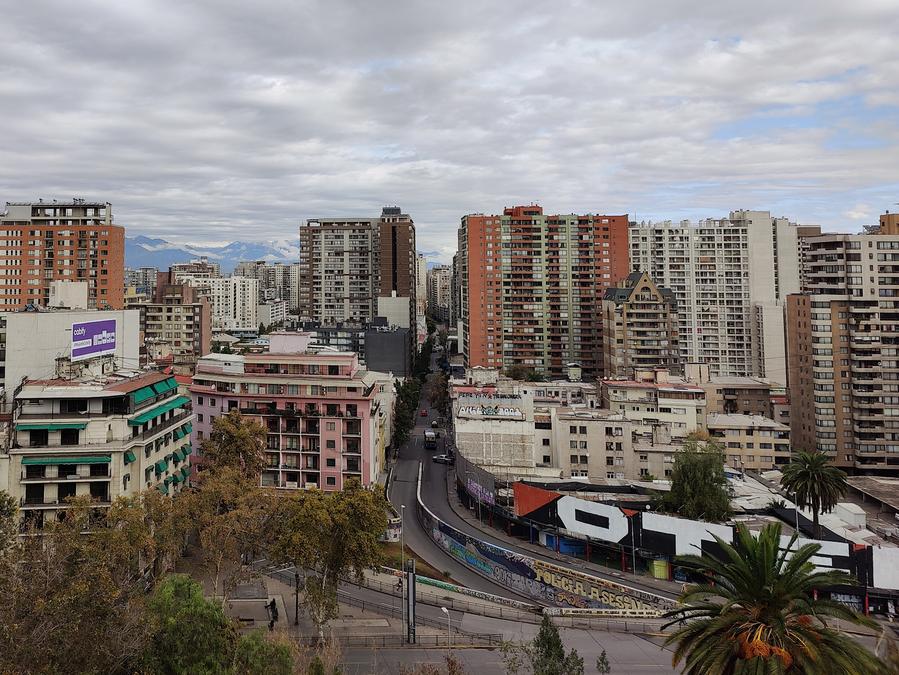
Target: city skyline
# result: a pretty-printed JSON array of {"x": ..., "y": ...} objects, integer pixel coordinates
[{"x": 205, "y": 124}]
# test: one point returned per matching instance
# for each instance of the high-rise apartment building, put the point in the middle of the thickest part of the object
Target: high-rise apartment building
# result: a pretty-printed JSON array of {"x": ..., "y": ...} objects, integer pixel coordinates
[
  {"x": 531, "y": 287},
  {"x": 731, "y": 278},
  {"x": 639, "y": 328},
  {"x": 347, "y": 264},
  {"x": 847, "y": 328},
  {"x": 439, "y": 282},
  {"x": 234, "y": 301},
  {"x": 41, "y": 242},
  {"x": 176, "y": 324},
  {"x": 277, "y": 281}
]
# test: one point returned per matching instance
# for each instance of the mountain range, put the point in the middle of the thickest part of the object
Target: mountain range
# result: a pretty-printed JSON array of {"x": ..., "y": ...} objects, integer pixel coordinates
[{"x": 144, "y": 251}]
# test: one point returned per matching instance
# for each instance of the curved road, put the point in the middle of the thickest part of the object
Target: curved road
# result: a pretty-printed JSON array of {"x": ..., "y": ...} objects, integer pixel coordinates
[{"x": 434, "y": 495}]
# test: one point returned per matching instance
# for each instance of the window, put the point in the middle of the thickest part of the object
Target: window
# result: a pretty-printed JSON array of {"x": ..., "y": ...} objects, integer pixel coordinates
[
  {"x": 38, "y": 438},
  {"x": 330, "y": 462},
  {"x": 330, "y": 480},
  {"x": 583, "y": 445},
  {"x": 199, "y": 417},
  {"x": 572, "y": 445},
  {"x": 546, "y": 459},
  {"x": 545, "y": 441},
  {"x": 582, "y": 430},
  {"x": 331, "y": 426},
  {"x": 330, "y": 444},
  {"x": 199, "y": 400},
  {"x": 69, "y": 437},
  {"x": 211, "y": 401},
  {"x": 572, "y": 429},
  {"x": 572, "y": 459}
]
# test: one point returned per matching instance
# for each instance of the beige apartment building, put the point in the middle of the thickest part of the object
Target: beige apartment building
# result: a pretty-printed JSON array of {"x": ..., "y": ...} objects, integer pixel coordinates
[
  {"x": 639, "y": 328},
  {"x": 97, "y": 436},
  {"x": 751, "y": 442},
  {"x": 847, "y": 330},
  {"x": 662, "y": 407},
  {"x": 731, "y": 277}
]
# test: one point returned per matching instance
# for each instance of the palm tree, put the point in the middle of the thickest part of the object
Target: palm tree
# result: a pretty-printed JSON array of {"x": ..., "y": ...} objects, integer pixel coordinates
[
  {"x": 757, "y": 614},
  {"x": 815, "y": 483}
]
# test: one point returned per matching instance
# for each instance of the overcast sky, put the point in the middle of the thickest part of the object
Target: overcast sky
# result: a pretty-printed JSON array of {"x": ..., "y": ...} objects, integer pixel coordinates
[{"x": 221, "y": 120}]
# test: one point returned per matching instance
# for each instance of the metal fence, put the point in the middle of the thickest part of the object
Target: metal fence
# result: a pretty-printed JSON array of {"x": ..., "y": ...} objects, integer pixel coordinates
[{"x": 382, "y": 641}]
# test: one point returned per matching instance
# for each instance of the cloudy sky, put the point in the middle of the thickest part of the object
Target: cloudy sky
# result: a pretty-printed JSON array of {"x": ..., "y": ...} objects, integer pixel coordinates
[{"x": 221, "y": 120}]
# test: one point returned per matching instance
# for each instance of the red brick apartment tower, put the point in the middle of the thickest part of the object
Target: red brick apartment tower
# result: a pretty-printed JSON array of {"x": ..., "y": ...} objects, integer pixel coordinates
[
  {"x": 532, "y": 287},
  {"x": 42, "y": 242}
]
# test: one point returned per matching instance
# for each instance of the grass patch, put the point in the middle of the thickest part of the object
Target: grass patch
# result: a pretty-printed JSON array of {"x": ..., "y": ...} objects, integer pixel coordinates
[{"x": 392, "y": 558}]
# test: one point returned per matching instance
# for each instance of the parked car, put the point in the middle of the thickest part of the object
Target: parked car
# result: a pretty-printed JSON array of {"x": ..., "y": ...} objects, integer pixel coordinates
[
  {"x": 434, "y": 424},
  {"x": 444, "y": 459},
  {"x": 424, "y": 412}
]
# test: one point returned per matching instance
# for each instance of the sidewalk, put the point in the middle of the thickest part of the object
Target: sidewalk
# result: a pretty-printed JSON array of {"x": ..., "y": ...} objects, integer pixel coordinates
[{"x": 640, "y": 582}]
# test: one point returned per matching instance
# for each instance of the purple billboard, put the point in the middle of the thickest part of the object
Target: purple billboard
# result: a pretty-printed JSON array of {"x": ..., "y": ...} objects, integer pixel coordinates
[{"x": 93, "y": 338}]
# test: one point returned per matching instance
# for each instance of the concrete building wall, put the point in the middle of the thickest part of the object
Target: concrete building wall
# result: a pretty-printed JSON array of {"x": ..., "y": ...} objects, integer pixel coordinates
[{"x": 34, "y": 341}]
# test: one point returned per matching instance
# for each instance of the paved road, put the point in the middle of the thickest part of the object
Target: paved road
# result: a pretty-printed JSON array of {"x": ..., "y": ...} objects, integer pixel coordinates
[
  {"x": 434, "y": 494},
  {"x": 403, "y": 492}
]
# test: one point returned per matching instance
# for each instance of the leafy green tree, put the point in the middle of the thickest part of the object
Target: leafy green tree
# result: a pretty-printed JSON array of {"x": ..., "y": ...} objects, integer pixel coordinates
[
  {"x": 698, "y": 484},
  {"x": 333, "y": 536},
  {"x": 603, "y": 667},
  {"x": 237, "y": 442},
  {"x": 257, "y": 654},
  {"x": 815, "y": 483},
  {"x": 544, "y": 655},
  {"x": 231, "y": 514},
  {"x": 757, "y": 613},
  {"x": 72, "y": 602},
  {"x": 190, "y": 634},
  {"x": 8, "y": 516},
  {"x": 437, "y": 391}
]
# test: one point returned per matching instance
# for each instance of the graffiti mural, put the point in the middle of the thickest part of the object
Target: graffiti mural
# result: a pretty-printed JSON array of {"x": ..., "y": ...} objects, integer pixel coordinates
[{"x": 547, "y": 583}]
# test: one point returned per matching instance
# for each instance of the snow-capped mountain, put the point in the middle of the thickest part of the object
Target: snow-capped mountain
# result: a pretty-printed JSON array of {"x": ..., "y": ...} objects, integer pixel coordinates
[{"x": 143, "y": 251}]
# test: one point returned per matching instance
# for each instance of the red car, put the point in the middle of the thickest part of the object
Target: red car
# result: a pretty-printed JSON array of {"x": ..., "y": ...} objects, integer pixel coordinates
[{"x": 424, "y": 412}]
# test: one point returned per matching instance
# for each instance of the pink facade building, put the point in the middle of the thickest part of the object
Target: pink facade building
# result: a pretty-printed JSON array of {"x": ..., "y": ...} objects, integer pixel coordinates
[{"x": 328, "y": 420}]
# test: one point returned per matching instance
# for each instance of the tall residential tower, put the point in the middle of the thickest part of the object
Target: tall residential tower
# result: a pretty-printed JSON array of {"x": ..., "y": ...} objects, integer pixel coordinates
[{"x": 531, "y": 287}]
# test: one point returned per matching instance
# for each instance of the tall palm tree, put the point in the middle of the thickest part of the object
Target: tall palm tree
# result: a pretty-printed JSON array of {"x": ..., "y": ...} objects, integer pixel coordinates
[
  {"x": 757, "y": 614},
  {"x": 815, "y": 483}
]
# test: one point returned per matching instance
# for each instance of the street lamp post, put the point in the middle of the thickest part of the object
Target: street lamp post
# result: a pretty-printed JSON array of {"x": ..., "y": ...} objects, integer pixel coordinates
[{"x": 449, "y": 633}]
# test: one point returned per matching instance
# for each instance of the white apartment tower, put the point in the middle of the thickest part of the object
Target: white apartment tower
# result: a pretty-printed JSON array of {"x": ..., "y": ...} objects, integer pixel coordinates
[
  {"x": 234, "y": 301},
  {"x": 730, "y": 278}
]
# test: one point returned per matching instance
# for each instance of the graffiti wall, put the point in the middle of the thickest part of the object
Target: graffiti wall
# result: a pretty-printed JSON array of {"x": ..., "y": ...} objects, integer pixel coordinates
[{"x": 548, "y": 584}]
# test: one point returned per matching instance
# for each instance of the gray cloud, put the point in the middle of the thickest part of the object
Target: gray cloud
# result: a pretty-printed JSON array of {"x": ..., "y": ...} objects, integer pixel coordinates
[{"x": 211, "y": 121}]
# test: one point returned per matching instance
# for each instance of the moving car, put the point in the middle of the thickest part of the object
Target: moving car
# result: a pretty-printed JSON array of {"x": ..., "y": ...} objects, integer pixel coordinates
[
  {"x": 444, "y": 459},
  {"x": 434, "y": 424}
]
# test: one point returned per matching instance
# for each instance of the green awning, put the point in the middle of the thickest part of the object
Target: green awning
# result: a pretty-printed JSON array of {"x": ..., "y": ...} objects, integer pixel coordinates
[
  {"x": 94, "y": 459},
  {"x": 179, "y": 455},
  {"x": 177, "y": 478},
  {"x": 169, "y": 479},
  {"x": 163, "y": 488},
  {"x": 46, "y": 426},
  {"x": 187, "y": 449},
  {"x": 143, "y": 394},
  {"x": 188, "y": 428},
  {"x": 129, "y": 456},
  {"x": 148, "y": 415},
  {"x": 165, "y": 385},
  {"x": 179, "y": 433},
  {"x": 185, "y": 471},
  {"x": 161, "y": 466}
]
